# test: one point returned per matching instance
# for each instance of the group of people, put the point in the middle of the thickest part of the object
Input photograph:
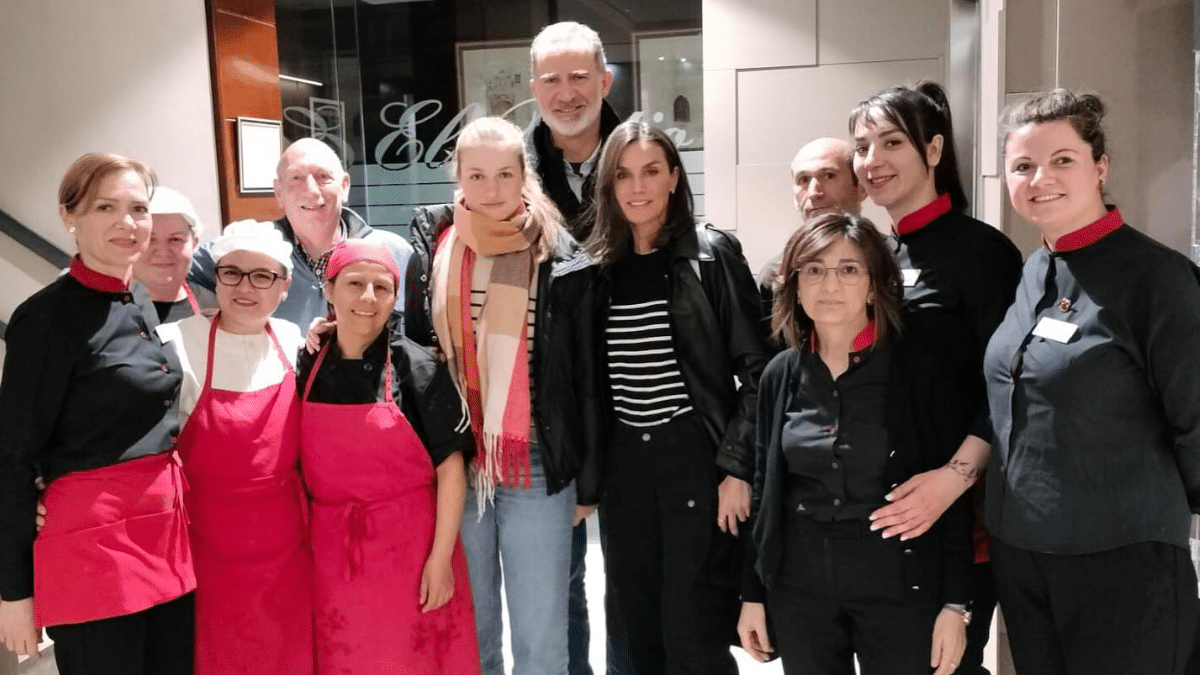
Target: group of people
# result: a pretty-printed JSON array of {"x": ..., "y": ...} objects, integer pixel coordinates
[{"x": 792, "y": 465}]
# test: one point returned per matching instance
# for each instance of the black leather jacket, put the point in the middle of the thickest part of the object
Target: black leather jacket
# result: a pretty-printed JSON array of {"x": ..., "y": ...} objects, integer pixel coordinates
[
  {"x": 716, "y": 323},
  {"x": 567, "y": 404}
]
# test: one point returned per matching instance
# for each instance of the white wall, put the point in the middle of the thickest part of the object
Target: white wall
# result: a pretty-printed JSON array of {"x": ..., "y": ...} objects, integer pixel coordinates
[
  {"x": 126, "y": 76},
  {"x": 778, "y": 73},
  {"x": 1138, "y": 57}
]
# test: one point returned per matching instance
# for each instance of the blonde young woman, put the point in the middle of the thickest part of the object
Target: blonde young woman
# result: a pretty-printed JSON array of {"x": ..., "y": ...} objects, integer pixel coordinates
[{"x": 510, "y": 312}]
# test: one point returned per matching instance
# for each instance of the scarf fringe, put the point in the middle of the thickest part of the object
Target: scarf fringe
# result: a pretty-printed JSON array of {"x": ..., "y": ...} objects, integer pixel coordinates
[{"x": 500, "y": 466}]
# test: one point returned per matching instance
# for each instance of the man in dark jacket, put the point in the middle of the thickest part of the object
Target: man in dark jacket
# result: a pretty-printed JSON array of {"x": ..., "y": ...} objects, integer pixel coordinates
[{"x": 569, "y": 82}]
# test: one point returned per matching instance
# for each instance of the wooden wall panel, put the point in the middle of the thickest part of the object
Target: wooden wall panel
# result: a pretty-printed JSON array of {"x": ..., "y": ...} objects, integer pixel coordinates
[{"x": 245, "y": 67}]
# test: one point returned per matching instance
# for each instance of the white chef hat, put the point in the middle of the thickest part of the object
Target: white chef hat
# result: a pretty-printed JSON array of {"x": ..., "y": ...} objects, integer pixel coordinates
[
  {"x": 256, "y": 236},
  {"x": 170, "y": 201}
]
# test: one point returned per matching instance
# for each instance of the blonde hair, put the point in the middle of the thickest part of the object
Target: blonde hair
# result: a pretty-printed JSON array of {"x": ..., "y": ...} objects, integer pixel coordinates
[{"x": 500, "y": 134}]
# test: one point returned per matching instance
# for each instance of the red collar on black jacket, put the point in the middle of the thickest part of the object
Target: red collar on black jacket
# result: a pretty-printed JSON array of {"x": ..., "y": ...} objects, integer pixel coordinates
[
  {"x": 95, "y": 280},
  {"x": 864, "y": 339},
  {"x": 1089, "y": 234},
  {"x": 924, "y": 215}
]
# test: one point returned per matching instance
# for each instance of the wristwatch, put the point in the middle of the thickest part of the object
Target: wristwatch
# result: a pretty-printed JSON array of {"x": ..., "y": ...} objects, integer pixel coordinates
[{"x": 961, "y": 610}]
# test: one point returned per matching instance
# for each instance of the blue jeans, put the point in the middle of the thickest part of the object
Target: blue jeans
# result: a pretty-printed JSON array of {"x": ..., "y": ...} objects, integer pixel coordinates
[{"x": 530, "y": 532}]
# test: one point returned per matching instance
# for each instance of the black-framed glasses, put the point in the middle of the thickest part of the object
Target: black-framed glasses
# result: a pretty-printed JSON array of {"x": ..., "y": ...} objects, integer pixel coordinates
[
  {"x": 849, "y": 273},
  {"x": 259, "y": 278}
]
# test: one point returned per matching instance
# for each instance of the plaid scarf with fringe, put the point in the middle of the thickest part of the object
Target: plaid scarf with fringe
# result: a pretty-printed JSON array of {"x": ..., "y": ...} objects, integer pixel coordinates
[{"x": 489, "y": 362}]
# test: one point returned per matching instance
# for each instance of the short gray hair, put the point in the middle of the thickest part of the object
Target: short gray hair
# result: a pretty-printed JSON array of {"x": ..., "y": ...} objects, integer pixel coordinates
[{"x": 566, "y": 36}]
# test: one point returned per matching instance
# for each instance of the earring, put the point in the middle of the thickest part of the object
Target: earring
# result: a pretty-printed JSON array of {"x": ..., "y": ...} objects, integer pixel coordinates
[{"x": 71, "y": 229}]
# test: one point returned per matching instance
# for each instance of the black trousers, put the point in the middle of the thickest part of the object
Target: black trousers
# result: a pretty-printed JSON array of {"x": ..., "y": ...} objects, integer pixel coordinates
[
  {"x": 676, "y": 608},
  {"x": 844, "y": 591},
  {"x": 155, "y": 641},
  {"x": 1132, "y": 609},
  {"x": 983, "y": 610}
]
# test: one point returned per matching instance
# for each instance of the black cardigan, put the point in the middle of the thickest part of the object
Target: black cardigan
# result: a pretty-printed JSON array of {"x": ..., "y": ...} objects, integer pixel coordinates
[{"x": 922, "y": 438}]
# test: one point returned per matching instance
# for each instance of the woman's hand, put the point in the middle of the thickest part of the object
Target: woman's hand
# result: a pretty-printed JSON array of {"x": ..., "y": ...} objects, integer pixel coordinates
[
  {"x": 949, "y": 642},
  {"x": 318, "y": 328},
  {"x": 18, "y": 632},
  {"x": 733, "y": 504},
  {"x": 39, "y": 520},
  {"x": 752, "y": 629},
  {"x": 581, "y": 513},
  {"x": 437, "y": 583},
  {"x": 917, "y": 503}
]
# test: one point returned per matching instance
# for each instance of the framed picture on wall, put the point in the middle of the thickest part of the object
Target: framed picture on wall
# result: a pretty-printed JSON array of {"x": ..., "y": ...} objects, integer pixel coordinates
[
  {"x": 259, "y": 144},
  {"x": 669, "y": 77},
  {"x": 493, "y": 79}
]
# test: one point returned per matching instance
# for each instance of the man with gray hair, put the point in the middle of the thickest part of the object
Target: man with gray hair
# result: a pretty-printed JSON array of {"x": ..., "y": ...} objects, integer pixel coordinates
[
  {"x": 570, "y": 80},
  {"x": 312, "y": 187}
]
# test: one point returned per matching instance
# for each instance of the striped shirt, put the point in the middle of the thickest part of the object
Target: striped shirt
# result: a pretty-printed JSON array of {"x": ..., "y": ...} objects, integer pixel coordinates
[
  {"x": 479, "y": 278},
  {"x": 646, "y": 386}
]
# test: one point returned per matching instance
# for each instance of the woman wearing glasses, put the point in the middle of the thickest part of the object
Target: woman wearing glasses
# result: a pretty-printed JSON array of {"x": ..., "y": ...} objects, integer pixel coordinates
[
  {"x": 240, "y": 447},
  {"x": 844, "y": 413}
]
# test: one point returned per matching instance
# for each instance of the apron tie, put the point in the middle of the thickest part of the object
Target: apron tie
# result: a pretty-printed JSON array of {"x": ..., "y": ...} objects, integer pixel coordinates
[
  {"x": 181, "y": 485},
  {"x": 357, "y": 522}
]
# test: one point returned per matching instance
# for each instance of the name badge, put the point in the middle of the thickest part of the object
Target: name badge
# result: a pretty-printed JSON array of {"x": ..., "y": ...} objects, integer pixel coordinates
[
  {"x": 910, "y": 277},
  {"x": 1053, "y": 329}
]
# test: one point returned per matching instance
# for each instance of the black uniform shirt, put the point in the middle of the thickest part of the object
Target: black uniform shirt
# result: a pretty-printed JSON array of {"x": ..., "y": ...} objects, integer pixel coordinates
[
  {"x": 204, "y": 299},
  {"x": 959, "y": 278},
  {"x": 1097, "y": 411},
  {"x": 87, "y": 383},
  {"x": 421, "y": 387},
  {"x": 834, "y": 437}
]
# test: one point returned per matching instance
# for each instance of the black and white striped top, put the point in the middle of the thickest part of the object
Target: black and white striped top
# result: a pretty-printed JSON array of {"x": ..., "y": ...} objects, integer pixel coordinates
[{"x": 646, "y": 386}]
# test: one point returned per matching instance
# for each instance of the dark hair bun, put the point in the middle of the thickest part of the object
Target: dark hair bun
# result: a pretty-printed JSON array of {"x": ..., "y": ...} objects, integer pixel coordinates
[
  {"x": 1092, "y": 104},
  {"x": 936, "y": 94}
]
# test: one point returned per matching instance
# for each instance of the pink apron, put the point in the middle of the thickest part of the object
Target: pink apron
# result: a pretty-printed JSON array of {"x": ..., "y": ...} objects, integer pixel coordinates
[
  {"x": 115, "y": 542},
  {"x": 249, "y": 528},
  {"x": 374, "y": 511}
]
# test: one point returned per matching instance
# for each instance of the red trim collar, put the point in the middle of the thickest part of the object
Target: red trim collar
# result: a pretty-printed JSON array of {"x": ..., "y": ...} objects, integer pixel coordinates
[
  {"x": 1089, "y": 234},
  {"x": 924, "y": 215},
  {"x": 864, "y": 339},
  {"x": 95, "y": 280}
]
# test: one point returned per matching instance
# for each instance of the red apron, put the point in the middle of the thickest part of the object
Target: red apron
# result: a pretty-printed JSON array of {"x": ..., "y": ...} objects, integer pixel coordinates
[
  {"x": 374, "y": 511},
  {"x": 115, "y": 542},
  {"x": 249, "y": 528}
]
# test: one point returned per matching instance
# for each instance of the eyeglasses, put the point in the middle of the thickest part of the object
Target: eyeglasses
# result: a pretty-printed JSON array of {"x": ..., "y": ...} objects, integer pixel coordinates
[
  {"x": 849, "y": 273},
  {"x": 259, "y": 278}
]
